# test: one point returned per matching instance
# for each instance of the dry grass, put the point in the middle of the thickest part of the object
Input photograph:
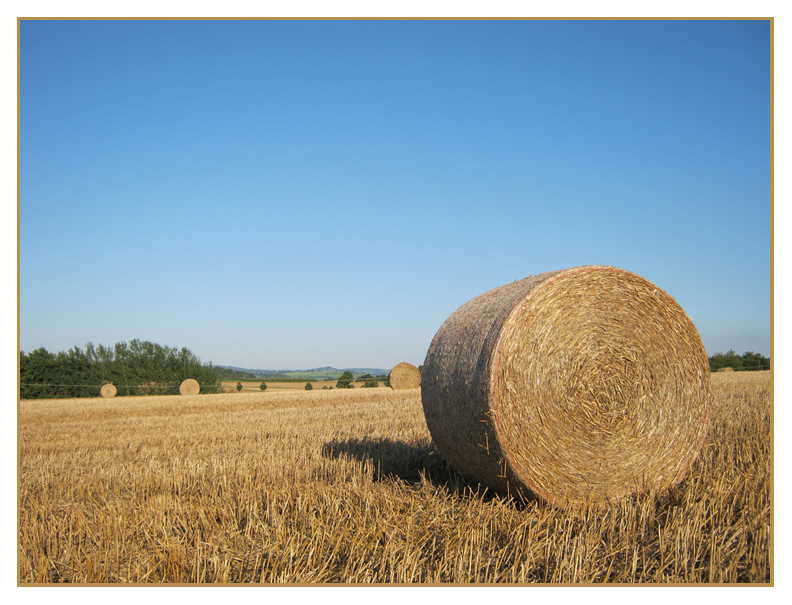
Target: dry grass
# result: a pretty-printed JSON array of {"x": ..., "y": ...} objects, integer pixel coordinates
[{"x": 345, "y": 486}]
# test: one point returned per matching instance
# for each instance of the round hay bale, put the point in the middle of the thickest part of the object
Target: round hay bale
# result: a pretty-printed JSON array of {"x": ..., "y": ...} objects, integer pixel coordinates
[
  {"x": 582, "y": 384},
  {"x": 108, "y": 390},
  {"x": 190, "y": 387},
  {"x": 404, "y": 376},
  {"x": 725, "y": 370}
]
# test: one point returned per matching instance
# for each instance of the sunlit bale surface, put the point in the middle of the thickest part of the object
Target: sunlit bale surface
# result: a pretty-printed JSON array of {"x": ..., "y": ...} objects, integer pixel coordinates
[{"x": 587, "y": 384}]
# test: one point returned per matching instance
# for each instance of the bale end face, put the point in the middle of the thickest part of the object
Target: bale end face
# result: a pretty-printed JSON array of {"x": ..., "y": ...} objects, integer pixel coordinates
[
  {"x": 190, "y": 387},
  {"x": 405, "y": 376},
  {"x": 108, "y": 390}
]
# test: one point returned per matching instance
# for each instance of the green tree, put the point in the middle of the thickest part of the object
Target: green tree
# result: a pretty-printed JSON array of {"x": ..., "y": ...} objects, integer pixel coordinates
[
  {"x": 239, "y": 386},
  {"x": 139, "y": 367},
  {"x": 345, "y": 380},
  {"x": 730, "y": 359},
  {"x": 122, "y": 355},
  {"x": 748, "y": 361},
  {"x": 36, "y": 372},
  {"x": 755, "y": 361},
  {"x": 370, "y": 384},
  {"x": 308, "y": 386},
  {"x": 229, "y": 374},
  {"x": 263, "y": 386},
  {"x": 103, "y": 366}
]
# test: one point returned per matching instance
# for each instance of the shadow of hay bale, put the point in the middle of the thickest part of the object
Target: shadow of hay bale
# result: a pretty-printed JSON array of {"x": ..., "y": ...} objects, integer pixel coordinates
[
  {"x": 410, "y": 463},
  {"x": 390, "y": 458}
]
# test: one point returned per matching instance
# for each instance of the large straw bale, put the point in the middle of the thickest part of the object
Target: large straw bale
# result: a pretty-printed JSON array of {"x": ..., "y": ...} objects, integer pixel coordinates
[
  {"x": 190, "y": 387},
  {"x": 108, "y": 390},
  {"x": 585, "y": 383},
  {"x": 404, "y": 376}
]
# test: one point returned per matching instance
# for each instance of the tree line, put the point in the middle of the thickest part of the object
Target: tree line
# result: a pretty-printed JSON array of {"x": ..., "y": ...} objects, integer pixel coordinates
[
  {"x": 146, "y": 368},
  {"x": 135, "y": 368},
  {"x": 231, "y": 374},
  {"x": 748, "y": 361}
]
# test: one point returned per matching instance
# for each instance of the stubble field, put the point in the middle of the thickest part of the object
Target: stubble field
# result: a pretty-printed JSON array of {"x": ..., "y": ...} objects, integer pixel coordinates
[
  {"x": 345, "y": 486},
  {"x": 252, "y": 386}
]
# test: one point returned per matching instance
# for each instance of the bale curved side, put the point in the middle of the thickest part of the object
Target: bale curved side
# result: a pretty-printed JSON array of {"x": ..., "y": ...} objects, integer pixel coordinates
[
  {"x": 108, "y": 390},
  {"x": 189, "y": 387},
  {"x": 586, "y": 383},
  {"x": 404, "y": 376}
]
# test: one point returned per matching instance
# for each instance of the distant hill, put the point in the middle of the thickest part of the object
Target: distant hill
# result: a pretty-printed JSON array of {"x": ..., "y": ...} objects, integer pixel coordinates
[
  {"x": 359, "y": 371},
  {"x": 323, "y": 373}
]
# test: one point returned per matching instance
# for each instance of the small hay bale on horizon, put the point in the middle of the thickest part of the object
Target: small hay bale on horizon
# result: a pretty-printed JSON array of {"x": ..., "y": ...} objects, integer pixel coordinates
[
  {"x": 725, "y": 370},
  {"x": 189, "y": 387},
  {"x": 108, "y": 390},
  {"x": 585, "y": 384},
  {"x": 404, "y": 376}
]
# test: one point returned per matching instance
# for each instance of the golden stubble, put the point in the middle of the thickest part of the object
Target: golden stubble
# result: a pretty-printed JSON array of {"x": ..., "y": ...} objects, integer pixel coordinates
[{"x": 346, "y": 487}]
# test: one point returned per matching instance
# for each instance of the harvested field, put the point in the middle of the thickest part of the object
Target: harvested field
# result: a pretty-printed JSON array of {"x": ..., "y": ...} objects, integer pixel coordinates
[
  {"x": 249, "y": 386},
  {"x": 346, "y": 486}
]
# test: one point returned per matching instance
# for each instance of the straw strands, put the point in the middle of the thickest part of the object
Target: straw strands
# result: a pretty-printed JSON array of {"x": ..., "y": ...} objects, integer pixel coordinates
[
  {"x": 404, "y": 376},
  {"x": 345, "y": 486},
  {"x": 108, "y": 390},
  {"x": 189, "y": 387},
  {"x": 582, "y": 384}
]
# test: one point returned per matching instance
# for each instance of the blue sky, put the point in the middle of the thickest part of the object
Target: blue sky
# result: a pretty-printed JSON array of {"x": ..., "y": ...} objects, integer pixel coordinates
[{"x": 281, "y": 195}]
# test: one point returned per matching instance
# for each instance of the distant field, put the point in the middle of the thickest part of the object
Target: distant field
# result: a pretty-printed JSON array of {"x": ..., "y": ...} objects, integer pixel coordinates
[
  {"x": 327, "y": 375},
  {"x": 317, "y": 376},
  {"x": 248, "y": 386},
  {"x": 290, "y": 486}
]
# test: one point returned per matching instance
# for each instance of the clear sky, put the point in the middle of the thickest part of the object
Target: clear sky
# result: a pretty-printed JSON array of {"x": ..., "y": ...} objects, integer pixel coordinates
[{"x": 287, "y": 195}]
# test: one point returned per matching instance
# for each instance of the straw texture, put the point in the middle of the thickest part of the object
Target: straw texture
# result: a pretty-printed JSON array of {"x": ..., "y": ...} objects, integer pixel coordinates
[
  {"x": 404, "y": 376},
  {"x": 190, "y": 387},
  {"x": 108, "y": 390},
  {"x": 725, "y": 370},
  {"x": 582, "y": 384}
]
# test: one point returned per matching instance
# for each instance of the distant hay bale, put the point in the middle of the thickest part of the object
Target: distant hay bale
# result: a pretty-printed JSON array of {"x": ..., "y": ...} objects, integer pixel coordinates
[
  {"x": 108, "y": 390},
  {"x": 190, "y": 387},
  {"x": 404, "y": 376},
  {"x": 725, "y": 370},
  {"x": 584, "y": 383}
]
